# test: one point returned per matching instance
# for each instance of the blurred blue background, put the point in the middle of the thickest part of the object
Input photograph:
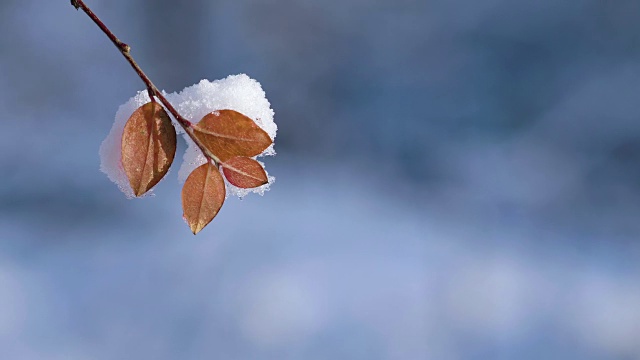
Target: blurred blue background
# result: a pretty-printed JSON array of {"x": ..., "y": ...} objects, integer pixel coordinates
[{"x": 456, "y": 180}]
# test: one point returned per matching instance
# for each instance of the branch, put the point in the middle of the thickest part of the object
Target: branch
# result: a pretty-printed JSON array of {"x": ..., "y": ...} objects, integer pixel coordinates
[{"x": 153, "y": 91}]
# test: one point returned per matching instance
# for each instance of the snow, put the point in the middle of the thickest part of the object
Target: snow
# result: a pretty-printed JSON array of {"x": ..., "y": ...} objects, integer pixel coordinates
[{"x": 236, "y": 92}]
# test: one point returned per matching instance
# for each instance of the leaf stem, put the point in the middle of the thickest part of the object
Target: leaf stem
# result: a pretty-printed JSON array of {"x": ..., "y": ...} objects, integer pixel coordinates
[{"x": 152, "y": 90}]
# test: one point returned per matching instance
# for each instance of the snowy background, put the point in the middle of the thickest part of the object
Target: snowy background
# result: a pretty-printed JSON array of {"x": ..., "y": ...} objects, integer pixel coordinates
[{"x": 456, "y": 179}]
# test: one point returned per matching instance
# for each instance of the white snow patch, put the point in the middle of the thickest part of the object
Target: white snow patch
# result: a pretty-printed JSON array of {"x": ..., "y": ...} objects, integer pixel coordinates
[{"x": 236, "y": 92}]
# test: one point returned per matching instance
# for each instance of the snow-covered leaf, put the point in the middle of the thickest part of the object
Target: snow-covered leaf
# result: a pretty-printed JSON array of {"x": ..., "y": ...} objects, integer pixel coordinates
[
  {"x": 148, "y": 147},
  {"x": 228, "y": 133},
  {"x": 244, "y": 172}
]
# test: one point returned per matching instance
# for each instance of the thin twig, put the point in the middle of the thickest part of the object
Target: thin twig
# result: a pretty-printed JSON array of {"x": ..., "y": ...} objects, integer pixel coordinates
[{"x": 153, "y": 91}]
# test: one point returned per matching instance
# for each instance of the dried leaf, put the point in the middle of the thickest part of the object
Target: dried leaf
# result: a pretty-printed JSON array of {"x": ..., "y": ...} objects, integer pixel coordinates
[
  {"x": 202, "y": 196},
  {"x": 244, "y": 172},
  {"x": 148, "y": 147},
  {"x": 228, "y": 133}
]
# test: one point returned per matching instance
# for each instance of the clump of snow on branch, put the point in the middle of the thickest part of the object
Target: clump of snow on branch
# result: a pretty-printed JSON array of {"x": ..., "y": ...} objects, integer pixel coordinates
[{"x": 236, "y": 92}]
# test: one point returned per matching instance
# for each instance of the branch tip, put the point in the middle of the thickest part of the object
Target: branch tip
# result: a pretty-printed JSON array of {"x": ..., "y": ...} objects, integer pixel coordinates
[{"x": 152, "y": 90}]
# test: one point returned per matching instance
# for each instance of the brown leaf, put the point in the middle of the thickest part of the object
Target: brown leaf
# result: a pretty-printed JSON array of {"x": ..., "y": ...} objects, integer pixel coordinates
[
  {"x": 202, "y": 196},
  {"x": 244, "y": 172},
  {"x": 148, "y": 147},
  {"x": 228, "y": 133}
]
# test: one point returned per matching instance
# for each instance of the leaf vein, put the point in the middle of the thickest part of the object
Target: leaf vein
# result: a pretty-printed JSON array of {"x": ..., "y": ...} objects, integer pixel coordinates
[
  {"x": 224, "y": 136},
  {"x": 241, "y": 172}
]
